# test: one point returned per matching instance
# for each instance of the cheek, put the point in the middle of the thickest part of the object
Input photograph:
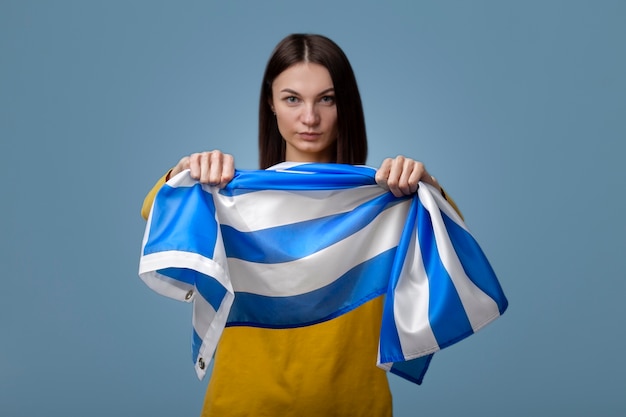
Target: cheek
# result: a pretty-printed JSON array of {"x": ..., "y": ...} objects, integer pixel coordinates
[
  {"x": 331, "y": 119},
  {"x": 283, "y": 124}
]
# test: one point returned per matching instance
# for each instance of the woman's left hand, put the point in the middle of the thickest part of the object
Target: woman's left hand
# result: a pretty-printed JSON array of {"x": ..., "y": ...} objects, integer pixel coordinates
[{"x": 400, "y": 175}]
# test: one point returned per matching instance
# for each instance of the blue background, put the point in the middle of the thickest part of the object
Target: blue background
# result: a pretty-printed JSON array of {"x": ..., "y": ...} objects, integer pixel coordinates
[{"x": 519, "y": 109}]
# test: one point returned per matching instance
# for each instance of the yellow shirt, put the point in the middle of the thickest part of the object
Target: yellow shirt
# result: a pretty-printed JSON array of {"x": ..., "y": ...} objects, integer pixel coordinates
[{"x": 327, "y": 369}]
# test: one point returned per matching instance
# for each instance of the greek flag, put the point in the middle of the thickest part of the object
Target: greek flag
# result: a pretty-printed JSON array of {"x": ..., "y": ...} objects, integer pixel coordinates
[{"x": 304, "y": 243}]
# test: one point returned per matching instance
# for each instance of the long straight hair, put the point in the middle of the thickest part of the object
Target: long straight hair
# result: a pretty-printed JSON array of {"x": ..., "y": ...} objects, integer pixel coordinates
[{"x": 351, "y": 143}]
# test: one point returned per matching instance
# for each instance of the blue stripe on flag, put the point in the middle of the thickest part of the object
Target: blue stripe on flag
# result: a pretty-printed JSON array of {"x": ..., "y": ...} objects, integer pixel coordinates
[
  {"x": 412, "y": 370},
  {"x": 337, "y": 170},
  {"x": 186, "y": 221},
  {"x": 298, "y": 240},
  {"x": 475, "y": 263},
  {"x": 322, "y": 177},
  {"x": 196, "y": 344},
  {"x": 210, "y": 289},
  {"x": 357, "y": 286},
  {"x": 446, "y": 314},
  {"x": 188, "y": 276}
]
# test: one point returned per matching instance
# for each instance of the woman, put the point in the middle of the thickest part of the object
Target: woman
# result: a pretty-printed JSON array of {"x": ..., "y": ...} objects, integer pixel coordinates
[{"x": 310, "y": 111}]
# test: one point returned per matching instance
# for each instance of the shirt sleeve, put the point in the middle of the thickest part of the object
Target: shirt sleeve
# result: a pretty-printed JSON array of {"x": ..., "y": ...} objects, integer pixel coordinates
[
  {"x": 448, "y": 199},
  {"x": 149, "y": 199}
]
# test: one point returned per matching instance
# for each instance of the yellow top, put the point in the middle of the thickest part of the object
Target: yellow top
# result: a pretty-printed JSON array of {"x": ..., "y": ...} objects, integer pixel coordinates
[{"x": 327, "y": 369}]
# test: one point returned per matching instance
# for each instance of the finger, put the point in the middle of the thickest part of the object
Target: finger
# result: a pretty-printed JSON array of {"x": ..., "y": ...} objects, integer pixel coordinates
[
  {"x": 215, "y": 168},
  {"x": 405, "y": 176},
  {"x": 182, "y": 165},
  {"x": 195, "y": 166},
  {"x": 413, "y": 173},
  {"x": 202, "y": 166},
  {"x": 228, "y": 170},
  {"x": 395, "y": 175},
  {"x": 383, "y": 173}
]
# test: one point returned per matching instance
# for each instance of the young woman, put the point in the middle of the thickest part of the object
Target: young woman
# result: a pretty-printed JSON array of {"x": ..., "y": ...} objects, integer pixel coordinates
[{"x": 310, "y": 111}]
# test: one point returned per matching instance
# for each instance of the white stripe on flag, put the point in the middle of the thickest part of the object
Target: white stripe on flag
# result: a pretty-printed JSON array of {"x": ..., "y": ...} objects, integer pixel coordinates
[
  {"x": 412, "y": 294},
  {"x": 479, "y": 307},
  {"x": 241, "y": 211},
  {"x": 308, "y": 273}
]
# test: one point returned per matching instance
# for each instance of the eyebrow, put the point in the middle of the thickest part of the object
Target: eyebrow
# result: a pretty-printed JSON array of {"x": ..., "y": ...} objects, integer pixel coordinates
[{"x": 290, "y": 91}]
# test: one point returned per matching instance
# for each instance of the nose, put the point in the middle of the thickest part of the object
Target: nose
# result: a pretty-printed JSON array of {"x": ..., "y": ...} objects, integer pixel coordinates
[{"x": 310, "y": 115}]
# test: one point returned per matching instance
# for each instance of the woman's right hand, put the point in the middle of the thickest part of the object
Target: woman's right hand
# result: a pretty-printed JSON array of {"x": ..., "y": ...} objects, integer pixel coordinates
[{"x": 212, "y": 167}]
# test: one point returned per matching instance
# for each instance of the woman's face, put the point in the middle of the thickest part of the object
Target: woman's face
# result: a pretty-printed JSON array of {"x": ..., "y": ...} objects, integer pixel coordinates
[{"x": 303, "y": 98}]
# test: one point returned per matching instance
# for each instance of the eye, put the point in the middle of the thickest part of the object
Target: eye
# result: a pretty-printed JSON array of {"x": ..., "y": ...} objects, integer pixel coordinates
[
  {"x": 328, "y": 100},
  {"x": 291, "y": 99}
]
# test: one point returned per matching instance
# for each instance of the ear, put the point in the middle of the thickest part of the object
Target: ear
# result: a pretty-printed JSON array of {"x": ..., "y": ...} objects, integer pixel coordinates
[{"x": 270, "y": 102}]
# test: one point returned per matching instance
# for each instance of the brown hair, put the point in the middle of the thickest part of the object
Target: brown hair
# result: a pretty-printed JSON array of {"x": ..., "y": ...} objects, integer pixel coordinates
[{"x": 351, "y": 144}]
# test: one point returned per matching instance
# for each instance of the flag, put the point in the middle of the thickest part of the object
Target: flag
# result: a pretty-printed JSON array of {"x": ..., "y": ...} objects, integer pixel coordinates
[{"x": 304, "y": 243}]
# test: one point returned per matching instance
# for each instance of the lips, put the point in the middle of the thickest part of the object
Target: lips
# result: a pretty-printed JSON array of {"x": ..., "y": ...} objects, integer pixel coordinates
[{"x": 309, "y": 135}]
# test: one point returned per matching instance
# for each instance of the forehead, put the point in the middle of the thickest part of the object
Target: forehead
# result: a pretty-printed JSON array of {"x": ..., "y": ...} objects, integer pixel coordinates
[{"x": 304, "y": 78}]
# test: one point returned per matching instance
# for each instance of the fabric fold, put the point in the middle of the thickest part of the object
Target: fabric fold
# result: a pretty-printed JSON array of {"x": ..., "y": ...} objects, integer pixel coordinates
[{"x": 302, "y": 244}]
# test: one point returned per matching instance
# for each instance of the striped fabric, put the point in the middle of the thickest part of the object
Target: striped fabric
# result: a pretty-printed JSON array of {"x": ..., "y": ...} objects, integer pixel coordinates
[{"x": 304, "y": 243}]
